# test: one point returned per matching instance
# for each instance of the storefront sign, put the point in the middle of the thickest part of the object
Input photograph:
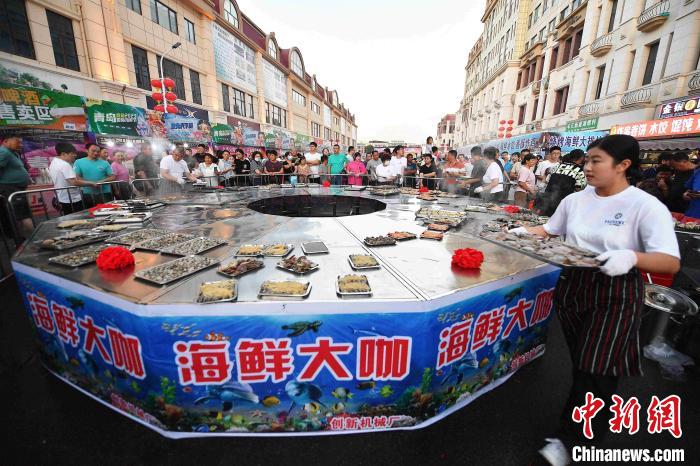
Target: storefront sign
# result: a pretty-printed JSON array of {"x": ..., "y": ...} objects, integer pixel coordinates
[
  {"x": 113, "y": 118},
  {"x": 30, "y": 106},
  {"x": 582, "y": 125},
  {"x": 679, "y": 126},
  {"x": 190, "y": 124},
  {"x": 277, "y": 138},
  {"x": 234, "y": 60},
  {"x": 681, "y": 107},
  {"x": 246, "y": 133},
  {"x": 214, "y": 373},
  {"x": 571, "y": 141}
]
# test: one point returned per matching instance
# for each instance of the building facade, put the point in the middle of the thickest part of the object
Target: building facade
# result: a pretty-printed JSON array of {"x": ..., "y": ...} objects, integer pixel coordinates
[
  {"x": 445, "y": 135},
  {"x": 592, "y": 64},
  {"x": 225, "y": 64}
]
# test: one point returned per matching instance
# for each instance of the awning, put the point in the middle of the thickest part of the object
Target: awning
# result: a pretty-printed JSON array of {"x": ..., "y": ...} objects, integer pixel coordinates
[{"x": 670, "y": 144}]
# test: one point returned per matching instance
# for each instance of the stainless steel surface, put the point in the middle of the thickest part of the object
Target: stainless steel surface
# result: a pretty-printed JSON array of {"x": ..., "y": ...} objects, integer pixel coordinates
[{"x": 411, "y": 270}]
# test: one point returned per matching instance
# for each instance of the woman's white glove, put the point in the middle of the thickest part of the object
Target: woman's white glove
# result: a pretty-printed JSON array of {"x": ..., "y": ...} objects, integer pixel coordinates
[
  {"x": 519, "y": 231},
  {"x": 617, "y": 262},
  {"x": 479, "y": 190}
]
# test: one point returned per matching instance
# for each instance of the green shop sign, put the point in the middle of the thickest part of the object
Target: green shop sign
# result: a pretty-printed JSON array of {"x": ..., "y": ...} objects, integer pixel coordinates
[
  {"x": 40, "y": 108},
  {"x": 112, "y": 118},
  {"x": 582, "y": 125},
  {"x": 222, "y": 134}
]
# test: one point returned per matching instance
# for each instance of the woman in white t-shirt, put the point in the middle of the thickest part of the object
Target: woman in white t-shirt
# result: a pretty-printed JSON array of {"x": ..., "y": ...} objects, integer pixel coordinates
[
  {"x": 600, "y": 310},
  {"x": 492, "y": 182},
  {"x": 527, "y": 183},
  {"x": 209, "y": 171}
]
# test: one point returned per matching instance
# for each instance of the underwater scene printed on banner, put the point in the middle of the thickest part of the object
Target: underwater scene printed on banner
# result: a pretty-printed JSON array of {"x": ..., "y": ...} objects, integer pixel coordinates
[{"x": 289, "y": 373}]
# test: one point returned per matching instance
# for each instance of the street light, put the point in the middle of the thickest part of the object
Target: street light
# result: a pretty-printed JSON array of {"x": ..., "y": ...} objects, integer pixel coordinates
[{"x": 162, "y": 83}]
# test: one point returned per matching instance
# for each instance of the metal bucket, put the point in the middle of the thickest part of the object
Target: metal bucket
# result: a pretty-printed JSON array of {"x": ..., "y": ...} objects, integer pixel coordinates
[{"x": 666, "y": 312}]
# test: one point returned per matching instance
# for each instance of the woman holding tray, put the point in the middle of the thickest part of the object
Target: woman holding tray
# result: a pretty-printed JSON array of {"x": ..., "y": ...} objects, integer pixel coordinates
[{"x": 600, "y": 309}]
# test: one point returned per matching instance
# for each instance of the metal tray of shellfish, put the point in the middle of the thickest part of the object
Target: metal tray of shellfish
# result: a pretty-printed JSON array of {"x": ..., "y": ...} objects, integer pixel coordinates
[
  {"x": 194, "y": 246},
  {"x": 559, "y": 253},
  {"x": 164, "y": 242},
  {"x": 79, "y": 257},
  {"x": 139, "y": 236},
  {"x": 72, "y": 240},
  {"x": 177, "y": 269}
]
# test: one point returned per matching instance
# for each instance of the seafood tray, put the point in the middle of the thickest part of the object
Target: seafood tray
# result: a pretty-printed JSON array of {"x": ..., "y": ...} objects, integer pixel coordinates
[
  {"x": 277, "y": 250},
  {"x": 139, "y": 236},
  {"x": 355, "y": 188},
  {"x": 476, "y": 208},
  {"x": 220, "y": 291},
  {"x": 130, "y": 217},
  {"x": 384, "y": 192},
  {"x": 533, "y": 218},
  {"x": 285, "y": 289},
  {"x": 689, "y": 227},
  {"x": 314, "y": 247},
  {"x": 164, "y": 242},
  {"x": 72, "y": 240},
  {"x": 287, "y": 185},
  {"x": 352, "y": 285},
  {"x": 174, "y": 270},
  {"x": 110, "y": 228},
  {"x": 438, "y": 227},
  {"x": 313, "y": 185},
  {"x": 402, "y": 235},
  {"x": 379, "y": 241},
  {"x": 250, "y": 250},
  {"x": 141, "y": 205},
  {"x": 300, "y": 265},
  {"x": 80, "y": 257},
  {"x": 447, "y": 195},
  {"x": 239, "y": 267},
  {"x": 429, "y": 234},
  {"x": 194, "y": 246},
  {"x": 75, "y": 224},
  {"x": 426, "y": 197},
  {"x": 353, "y": 258},
  {"x": 427, "y": 212},
  {"x": 554, "y": 252},
  {"x": 302, "y": 185},
  {"x": 411, "y": 191}
]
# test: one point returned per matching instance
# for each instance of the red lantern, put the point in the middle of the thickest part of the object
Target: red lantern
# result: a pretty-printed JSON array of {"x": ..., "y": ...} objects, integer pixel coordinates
[
  {"x": 156, "y": 83},
  {"x": 501, "y": 122},
  {"x": 509, "y": 129},
  {"x": 170, "y": 96},
  {"x": 501, "y": 128},
  {"x": 172, "y": 109},
  {"x": 508, "y": 135},
  {"x": 510, "y": 122},
  {"x": 157, "y": 96},
  {"x": 500, "y": 135},
  {"x": 159, "y": 108},
  {"x": 169, "y": 83}
]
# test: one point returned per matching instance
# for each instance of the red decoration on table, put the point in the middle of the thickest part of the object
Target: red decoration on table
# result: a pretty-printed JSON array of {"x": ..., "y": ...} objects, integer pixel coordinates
[
  {"x": 423, "y": 189},
  {"x": 326, "y": 184},
  {"x": 512, "y": 209},
  {"x": 115, "y": 258},
  {"x": 467, "y": 258},
  {"x": 102, "y": 206}
]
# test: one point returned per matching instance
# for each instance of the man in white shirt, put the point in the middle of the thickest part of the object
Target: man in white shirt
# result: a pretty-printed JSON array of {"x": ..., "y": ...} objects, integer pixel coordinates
[
  {"x": 313, "y": 158},
  {"x": 385, "y": 174},
  {"x": 547, "y": 164},
  {"x": 398, "y": 161},
  {"x": 174, "y": 170},
  {"x": 351, "y": 154},
  {"x": 63, "y": 176}
]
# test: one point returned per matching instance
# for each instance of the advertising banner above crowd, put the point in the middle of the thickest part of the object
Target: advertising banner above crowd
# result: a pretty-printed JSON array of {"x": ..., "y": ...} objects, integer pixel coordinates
[
  {"x": 572, "y": 140},
  {"x": 679, "y": 126},
  {"x": 189, "y": 124},
  {"x": 278, "y": 138},
  {"x": 288, "y": 373},
  {"x": 246, "y": 133},
  {"x": 233, "y": 59},
  {"x": 681, "y": 107},
  {"x": 30, "y": 106},
  {"x": 107, "y": 117}
]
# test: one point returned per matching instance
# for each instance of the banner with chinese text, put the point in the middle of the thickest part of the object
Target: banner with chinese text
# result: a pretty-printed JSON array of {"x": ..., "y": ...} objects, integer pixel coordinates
[
  {"x": 679, "y": 126},
  {"x": 287, "y": 373},
  {"x": 107, "y": 117},
  {"x": 29, "y": 106}
]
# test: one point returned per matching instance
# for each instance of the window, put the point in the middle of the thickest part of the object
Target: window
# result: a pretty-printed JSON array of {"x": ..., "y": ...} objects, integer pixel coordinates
[
  {"x": 560, "y": 100},
  {"x": 541, "y": 36},
  {"x": 15, "y": 37},
  {"x": 336, "y": 121},
  {"x": 521, "y": 114},
  {"x": 577, "y": 43},
  {"x": 564, "y": 13},
  {"x": 272, "y": 48},
  {"x": 275, "y": 115},
  {"x": 534, "y": 110},
  {"x": 63, "y": 41},
  {"x": 651, "y": 60},
  {"x": 230, "y": 13},
  {"x": 520, "y": 80},
  {"x": 225, "y": 98},
  {"x": 552, "y": 24},
  {"x": 613, "y": 12},
  {"x": 298, "y": 98},
  {"x": 326, "y": 133},
  {"x": 315, "y": 108},
  {"x": 554, "y": 59},
  {"x": 164, "y": 16},
  {"x": 536, "y": 15},
  {"x": 174, "y": 71},
  {"x": 189, "y": 30},
  {"x": 529, "y": 20},
  {"x": 599, "y": 82},
  {"x": 143, "y": 75},
  {"x": 315, "y": 130},
  {"x": 239, "y": 102},
  {"x": 296, "y": 63},
  {"x": 134, "y": 5},
  {"x": 196, "y": 89}
]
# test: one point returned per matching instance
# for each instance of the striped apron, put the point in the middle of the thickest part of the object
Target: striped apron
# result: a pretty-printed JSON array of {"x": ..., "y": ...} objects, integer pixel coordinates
[{"x": 600, "y": 316}]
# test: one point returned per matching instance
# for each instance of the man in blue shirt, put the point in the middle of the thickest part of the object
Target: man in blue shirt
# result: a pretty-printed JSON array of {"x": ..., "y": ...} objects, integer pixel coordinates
[
  {"x": 507, "y": 162},
  {"x": 693, "y": 195},
  {"x": 337, "y": 162},
  {"x": 93, "y": 168}
]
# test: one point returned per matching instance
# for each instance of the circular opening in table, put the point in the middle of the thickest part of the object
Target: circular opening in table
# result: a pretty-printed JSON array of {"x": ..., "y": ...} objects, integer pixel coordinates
[{"x": 317, "y": 206}]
